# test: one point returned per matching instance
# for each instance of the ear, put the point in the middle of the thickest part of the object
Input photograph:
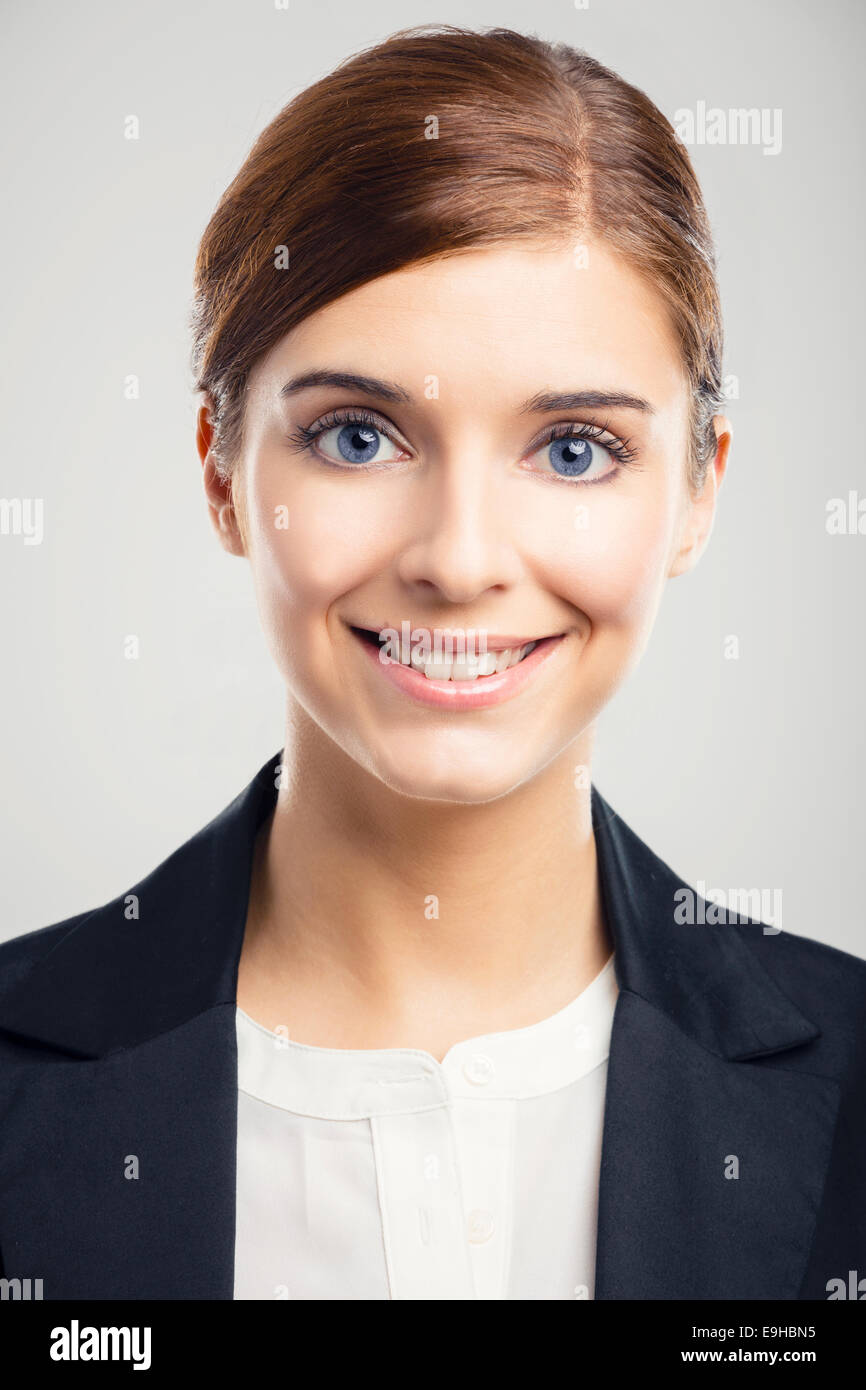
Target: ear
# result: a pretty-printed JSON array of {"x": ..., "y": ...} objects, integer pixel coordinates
[
  {"x": 218, "y": 489},
  {"x": 701, "y": 506}
]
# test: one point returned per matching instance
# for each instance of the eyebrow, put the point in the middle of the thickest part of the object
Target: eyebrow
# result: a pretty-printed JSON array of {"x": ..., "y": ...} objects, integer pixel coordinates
[{"x": 541, "y": 401}]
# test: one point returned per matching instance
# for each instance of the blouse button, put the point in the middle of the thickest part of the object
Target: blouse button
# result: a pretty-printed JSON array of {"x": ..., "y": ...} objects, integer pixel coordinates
[
  {"x": 479, "y": 1226},
  {"x": 478, "y": 1069}
]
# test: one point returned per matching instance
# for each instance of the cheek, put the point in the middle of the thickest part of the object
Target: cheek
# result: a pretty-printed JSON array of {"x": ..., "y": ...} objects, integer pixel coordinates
[
  {"x": 608, "y": 555},
  {"x": 314, "y": 539}
]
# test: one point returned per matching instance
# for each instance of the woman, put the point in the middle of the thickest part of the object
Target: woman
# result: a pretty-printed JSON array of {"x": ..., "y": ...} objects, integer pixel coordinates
[{"x": 417, "y": 1016}]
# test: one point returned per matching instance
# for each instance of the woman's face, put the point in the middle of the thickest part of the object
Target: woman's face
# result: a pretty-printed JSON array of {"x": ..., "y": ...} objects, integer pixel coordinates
[{"x": 448, "y": 507}]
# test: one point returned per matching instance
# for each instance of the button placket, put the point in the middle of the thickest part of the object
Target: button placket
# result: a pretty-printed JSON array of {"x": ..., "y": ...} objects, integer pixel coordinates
[
  {"x": 420, "y": 1194},
  {"x": 483, "y": 1126}
]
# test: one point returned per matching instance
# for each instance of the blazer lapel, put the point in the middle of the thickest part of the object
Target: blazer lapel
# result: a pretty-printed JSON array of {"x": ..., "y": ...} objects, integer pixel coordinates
[{"x": 715, "y": 1145}]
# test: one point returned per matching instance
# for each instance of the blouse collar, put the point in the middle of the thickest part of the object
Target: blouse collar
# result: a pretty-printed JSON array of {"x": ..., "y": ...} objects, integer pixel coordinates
[{"x": 348, "y": 1084}]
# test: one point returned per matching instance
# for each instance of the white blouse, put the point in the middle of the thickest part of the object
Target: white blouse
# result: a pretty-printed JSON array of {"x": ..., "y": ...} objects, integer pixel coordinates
[{"x": 383, "y": 1174}]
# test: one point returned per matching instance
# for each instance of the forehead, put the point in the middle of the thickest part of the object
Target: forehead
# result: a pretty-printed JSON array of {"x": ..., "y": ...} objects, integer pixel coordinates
[{"x": 500, "y": 320}]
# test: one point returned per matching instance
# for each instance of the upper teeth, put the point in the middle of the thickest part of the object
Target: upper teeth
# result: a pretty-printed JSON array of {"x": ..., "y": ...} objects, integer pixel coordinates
[{"x": 468, "y": 669}]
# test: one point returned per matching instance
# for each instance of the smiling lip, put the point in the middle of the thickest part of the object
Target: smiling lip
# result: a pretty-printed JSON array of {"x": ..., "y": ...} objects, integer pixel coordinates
[{"x": 466, "y": 695}]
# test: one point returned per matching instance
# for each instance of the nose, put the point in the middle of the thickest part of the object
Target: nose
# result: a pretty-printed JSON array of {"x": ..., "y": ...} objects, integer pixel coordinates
[{"x": 460, "y": 541}]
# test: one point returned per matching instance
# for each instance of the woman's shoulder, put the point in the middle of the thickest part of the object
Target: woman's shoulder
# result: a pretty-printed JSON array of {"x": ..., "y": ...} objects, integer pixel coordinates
[
  {"x": 146, "y": 960},
  {"x": 18, "y": 954},
  {"x": 710, "y": 914},
  {"x": 203, "y": 879}
]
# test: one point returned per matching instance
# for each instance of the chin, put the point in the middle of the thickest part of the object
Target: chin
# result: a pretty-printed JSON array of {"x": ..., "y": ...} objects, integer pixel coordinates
[{"x": 455, "y": 778}]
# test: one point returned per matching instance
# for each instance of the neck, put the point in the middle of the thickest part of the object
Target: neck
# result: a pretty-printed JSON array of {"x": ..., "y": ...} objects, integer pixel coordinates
[{"x": 380, "y": 920}]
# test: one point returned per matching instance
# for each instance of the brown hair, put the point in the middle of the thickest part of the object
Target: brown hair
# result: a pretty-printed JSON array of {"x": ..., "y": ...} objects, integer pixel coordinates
[{"x": 534, "y": 140}]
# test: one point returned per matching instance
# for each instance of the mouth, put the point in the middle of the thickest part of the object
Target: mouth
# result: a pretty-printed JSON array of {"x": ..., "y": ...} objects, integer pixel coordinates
[
  {"x": 463, "y": 674},
  {"x": 468, "y": 664}
]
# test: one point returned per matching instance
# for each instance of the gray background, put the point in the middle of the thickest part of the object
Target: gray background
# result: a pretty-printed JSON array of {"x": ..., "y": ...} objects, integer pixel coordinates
[{"x": 741, "y": 773}]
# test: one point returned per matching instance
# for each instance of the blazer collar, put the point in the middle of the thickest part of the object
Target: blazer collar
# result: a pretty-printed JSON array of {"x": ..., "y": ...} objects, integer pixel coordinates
[
  {"x": 115, "y": 979},
  {"x": 705, "y": 978}
]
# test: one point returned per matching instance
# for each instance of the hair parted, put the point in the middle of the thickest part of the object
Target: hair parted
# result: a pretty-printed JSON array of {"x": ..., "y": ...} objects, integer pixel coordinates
[{"x": 535, "y": 140}]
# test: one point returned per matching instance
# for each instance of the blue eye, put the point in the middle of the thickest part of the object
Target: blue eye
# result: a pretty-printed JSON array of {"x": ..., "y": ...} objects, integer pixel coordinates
[
  {"x": 571, "y": 457},
  {"x": 355, "y": 443},
  {"x": 349, "y": 437}
]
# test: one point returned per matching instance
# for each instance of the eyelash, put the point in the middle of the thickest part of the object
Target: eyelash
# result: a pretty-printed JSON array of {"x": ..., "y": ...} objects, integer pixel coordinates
[{"x": 305, "y": 436}]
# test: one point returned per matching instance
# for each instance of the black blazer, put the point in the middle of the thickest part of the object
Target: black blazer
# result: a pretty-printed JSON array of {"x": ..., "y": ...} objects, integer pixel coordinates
[{"x": 117, "y": 1038}]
